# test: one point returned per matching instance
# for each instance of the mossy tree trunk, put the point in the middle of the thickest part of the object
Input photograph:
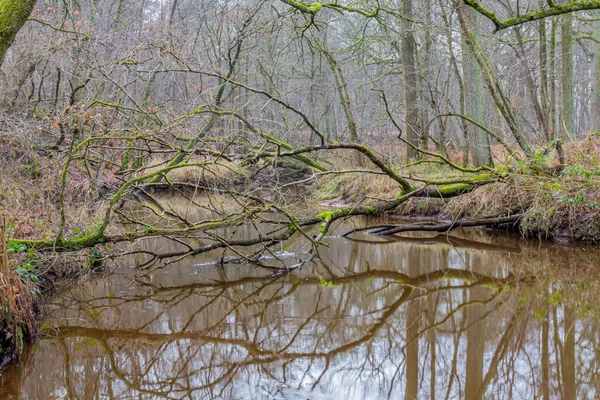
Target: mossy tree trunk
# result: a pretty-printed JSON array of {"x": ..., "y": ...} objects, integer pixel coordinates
[
  {"x": 425, "y": 76},
  {"x": 459, "y": 80},
  {"x": 412, "y": 109},
  {"x": 568, "y": 84},
  {"x": 544, "y": 94},
  {"x": 13, "y": 15},
  {"x": 595, "y": 114},
  {"x": 474, "y": 96},
  {"x": 552, "y": 55},
  {"x": 342, "y": 89}
]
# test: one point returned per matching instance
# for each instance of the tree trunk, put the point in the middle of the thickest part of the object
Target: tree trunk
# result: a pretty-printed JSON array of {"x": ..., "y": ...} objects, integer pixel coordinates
[
  {"x": 568, "y": 85},
  {"x": 595, "y": 114},
  {"x": 544, "y": 97},
  {"x": 426, "y": 76},
  {"x": 342, "y": 89},
  {"x": 492, "y": 82},
  {"x": 553, "y": 103},
  {"x": 480, "y": 140},
  {"x": 459, "y": 79},
  {"x": 411, "y": 79},
  {"x": 13, "y": 15},
  {"x": 530, "y": 83}
]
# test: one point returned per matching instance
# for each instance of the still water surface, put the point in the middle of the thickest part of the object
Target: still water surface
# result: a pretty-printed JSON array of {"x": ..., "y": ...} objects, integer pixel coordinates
[{"x": 475, "y": 315}]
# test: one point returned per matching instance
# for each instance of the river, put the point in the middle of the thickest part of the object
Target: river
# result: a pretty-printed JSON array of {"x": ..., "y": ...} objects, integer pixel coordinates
[{"x": 471, "y": 315}]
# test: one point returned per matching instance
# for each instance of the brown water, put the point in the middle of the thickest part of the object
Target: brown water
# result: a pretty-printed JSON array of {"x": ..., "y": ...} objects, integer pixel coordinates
[{"x": 475, "y": 315}]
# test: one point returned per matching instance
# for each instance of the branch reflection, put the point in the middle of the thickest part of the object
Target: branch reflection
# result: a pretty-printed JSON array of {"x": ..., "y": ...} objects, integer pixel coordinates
[{"x": 391, "y": 320}]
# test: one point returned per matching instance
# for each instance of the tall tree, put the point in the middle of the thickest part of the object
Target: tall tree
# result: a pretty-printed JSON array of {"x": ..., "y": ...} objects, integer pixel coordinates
[
  {"x": 595, "y": 114},
  {"x": 426, "y": 75},
  {"x": 493, "y": 84},
  {"x": 412, "y": 109},
  {"x": 13, "y": 15},
  {"x": 530, "y": 83},
  {"x": 568, "y": 84},
  {"x": 544, "y": 95},
  {"x": 474, "y": 95},
  {"x": 553, "y": 101}
]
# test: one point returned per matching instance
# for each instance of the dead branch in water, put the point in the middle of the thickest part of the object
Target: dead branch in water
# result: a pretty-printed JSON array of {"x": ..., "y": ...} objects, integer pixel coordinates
[{"x": 383, "y": 230}]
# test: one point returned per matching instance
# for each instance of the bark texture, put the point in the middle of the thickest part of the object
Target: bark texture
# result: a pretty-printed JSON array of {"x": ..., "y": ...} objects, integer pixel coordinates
[{"x": 13, "y": 15}]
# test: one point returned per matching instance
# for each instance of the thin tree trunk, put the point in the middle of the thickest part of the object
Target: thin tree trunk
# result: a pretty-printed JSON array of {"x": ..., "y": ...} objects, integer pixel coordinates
[
  {"x": 342, "y": 89},
  {"x": 172, "y": 12}
]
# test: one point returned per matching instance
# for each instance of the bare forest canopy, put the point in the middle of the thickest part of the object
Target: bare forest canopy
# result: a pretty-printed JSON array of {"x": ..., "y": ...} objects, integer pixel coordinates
[{"x": 111, "y": 100}]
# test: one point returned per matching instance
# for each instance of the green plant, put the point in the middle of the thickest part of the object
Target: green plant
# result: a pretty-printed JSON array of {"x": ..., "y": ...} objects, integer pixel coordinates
[
  {"x": 27, "y": 271},
  {"x": 577, "y": 170}
]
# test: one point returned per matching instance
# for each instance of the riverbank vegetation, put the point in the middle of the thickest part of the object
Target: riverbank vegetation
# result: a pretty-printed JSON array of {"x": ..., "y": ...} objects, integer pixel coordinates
[{"x": 471, "y": 113}]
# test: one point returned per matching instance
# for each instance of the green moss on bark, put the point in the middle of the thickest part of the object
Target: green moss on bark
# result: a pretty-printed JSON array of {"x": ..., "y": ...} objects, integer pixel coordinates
[{"x": 13, "y": 15}]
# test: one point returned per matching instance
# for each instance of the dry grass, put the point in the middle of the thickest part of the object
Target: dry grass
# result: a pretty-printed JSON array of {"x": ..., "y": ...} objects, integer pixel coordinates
[
  {"x": 357, "y": 187},
  {"x": 17, "y": 316},
  {"x": 224, "y": 172},
  {"x": 489, "y": 200}
]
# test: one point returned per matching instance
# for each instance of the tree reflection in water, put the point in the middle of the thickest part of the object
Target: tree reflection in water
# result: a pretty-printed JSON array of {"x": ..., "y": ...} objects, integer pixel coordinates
[{"x": 405, "y": 318}]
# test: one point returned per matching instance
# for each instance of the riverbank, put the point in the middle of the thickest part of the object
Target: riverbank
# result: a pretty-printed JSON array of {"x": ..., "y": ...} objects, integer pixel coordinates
[
  {"x": 562, "y": 205},
  {"x": 26, "y": 279}
]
